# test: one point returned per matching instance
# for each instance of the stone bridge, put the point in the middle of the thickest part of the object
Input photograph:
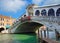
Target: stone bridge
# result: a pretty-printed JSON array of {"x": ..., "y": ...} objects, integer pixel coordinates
[
  {"x": 35, "y": 23},
  {"x": 48, "y": 16}
]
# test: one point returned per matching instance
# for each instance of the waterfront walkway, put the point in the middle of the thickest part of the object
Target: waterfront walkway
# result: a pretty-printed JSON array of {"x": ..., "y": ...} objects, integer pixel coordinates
[{"x": 47, "y": 40}]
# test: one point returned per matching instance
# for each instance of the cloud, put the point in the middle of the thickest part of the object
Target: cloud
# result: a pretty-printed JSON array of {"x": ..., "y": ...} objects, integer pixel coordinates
[
  {"x": 12, "y": 5},
  {"x": 37, "y": 1},
  {"x": 51, "y": 2},
  {"x": 15, "y": 5},
  {"x": 46, "y": 2}
]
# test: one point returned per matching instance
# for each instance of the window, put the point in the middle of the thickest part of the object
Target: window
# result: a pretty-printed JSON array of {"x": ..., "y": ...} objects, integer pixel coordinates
[
  {"x": 51, "y": 12},
  {"x": 1, "y": 24},
  {"x": 7, "y": 20},
  {"x": 1, "y": 19},
  {"x": 37, "y": 12},
  {"x": 58, "y": 12},
  {"x": 43, "y": 12}
]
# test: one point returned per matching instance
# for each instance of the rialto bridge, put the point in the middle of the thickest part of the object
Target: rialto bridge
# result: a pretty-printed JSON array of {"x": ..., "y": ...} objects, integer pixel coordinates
[{"x": 37, "y": 16}]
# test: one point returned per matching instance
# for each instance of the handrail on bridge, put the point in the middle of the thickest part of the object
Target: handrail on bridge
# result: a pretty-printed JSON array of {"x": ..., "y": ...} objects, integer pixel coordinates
[
  {"x": 41, "y": 18},
  {"x": 27, "y": 18},
  {"x": 47, "y": 18},
  {"x": 44, "y": 18}
]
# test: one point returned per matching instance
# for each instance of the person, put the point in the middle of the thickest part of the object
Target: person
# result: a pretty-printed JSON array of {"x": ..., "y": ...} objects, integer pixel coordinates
[
  {"x": 29, "y": 17},
  {"x": 22, "y": 19},
  {"x": 24, "y": 15}
]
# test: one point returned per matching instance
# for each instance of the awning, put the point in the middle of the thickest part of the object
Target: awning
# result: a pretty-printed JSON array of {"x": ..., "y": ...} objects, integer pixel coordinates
[{"x": 7, "y": 26}]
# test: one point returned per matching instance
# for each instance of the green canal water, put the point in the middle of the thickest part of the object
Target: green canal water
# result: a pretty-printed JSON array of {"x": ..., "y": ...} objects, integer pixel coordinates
[{"x": 18, "y": 38}]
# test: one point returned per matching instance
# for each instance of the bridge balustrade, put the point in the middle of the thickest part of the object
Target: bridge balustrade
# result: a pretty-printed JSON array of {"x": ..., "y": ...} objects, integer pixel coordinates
[
  {"x": 20, "y": 20},
  {"x": 46, "y": 18},
  {"x": 38, "y": 18},
  {"x": 16, "y": 23},
  {"x": 25, "y": 19}
]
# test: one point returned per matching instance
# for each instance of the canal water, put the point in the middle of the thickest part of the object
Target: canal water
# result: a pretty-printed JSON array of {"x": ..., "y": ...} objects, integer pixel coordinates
[{"x": 18, "y": 38}]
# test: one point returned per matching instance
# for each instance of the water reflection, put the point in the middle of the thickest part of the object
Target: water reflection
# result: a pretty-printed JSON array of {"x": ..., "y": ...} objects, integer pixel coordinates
[
  {"x": 18, "y": 38},
  {"x": 5, "y": 38}
]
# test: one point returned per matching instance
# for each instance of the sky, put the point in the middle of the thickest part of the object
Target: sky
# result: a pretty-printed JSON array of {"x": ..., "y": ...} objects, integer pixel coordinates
[{"x": 16, "y": 8}]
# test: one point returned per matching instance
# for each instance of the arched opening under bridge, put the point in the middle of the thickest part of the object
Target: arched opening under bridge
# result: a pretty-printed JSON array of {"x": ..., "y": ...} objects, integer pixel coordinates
[{"x": 28, "y": 27}]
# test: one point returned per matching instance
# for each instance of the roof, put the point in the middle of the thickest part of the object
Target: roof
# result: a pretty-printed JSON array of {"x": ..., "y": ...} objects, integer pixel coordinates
[
  {"x": 3, "y": 16},
  {"x": 47, "y": 6}
]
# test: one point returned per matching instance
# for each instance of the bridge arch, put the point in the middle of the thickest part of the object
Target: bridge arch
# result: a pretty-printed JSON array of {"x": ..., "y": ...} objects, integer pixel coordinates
[
  {"x": 51, "y": 12},
  {"x": 58, "y": 12},
  {"x": 28, "y": 27}
]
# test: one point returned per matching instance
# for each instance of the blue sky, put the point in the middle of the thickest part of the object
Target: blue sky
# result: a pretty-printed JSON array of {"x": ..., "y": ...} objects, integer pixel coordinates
[{"x": 15, "y": 8}]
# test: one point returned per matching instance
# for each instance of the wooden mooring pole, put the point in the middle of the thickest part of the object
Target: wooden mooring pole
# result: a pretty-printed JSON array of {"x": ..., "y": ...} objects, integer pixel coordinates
[
  {"x": 41, "y": 36},
  {"x": 47, "y": 33}
]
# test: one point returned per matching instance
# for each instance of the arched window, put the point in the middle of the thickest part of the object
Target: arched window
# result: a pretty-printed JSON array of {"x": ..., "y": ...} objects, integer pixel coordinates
[
  {"x": 43, "y": 12},
  {"x": 37, "y": 12},
  {"x": 58, "y": 12},
  {"x": 51, "y": 12}
]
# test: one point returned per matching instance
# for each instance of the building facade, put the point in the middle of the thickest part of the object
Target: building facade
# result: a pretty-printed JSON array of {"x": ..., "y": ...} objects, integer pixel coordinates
[{"x": 5, "y": 22}]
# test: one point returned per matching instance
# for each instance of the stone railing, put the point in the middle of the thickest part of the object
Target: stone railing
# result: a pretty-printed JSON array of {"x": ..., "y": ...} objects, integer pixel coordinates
[
  {"x": 39, "y": 18},
  {"x": 46, "y": 18},
  {"x": 15, "y": 23},
  {"x": 19, "y": 21}
]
